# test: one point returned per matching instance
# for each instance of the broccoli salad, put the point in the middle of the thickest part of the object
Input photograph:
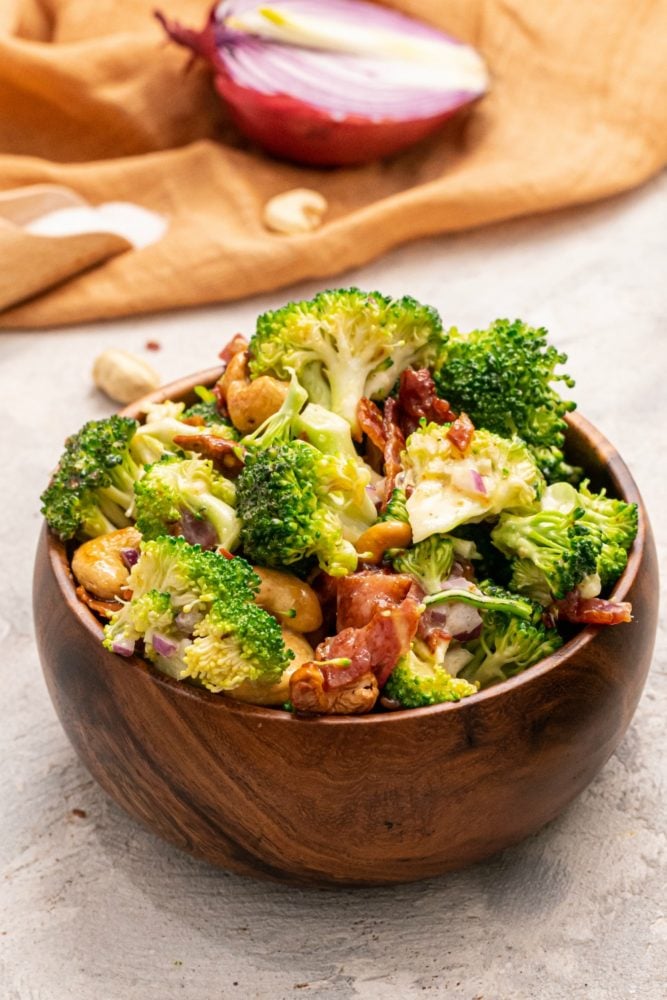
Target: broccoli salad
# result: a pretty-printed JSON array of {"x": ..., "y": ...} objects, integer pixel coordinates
[{"x": 366, "y": 512}]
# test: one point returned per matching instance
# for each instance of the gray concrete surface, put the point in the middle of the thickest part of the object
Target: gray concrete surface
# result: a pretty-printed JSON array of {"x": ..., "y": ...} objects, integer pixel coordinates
[{"x": 93, "y": 906}]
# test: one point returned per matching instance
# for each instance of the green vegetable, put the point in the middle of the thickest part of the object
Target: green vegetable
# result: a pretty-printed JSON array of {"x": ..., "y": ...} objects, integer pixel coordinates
[
  {"x": 450, "y": 489},
  {"x": 175, "y": 487},
  {"x": 344, "y": 344},
  {"x": 298, "y": 506},
  {"x": 207, "y": 409},
  {"x": 91, "y": 491},
  {"x": 195, "y": 612},
  {"x": 503, "y": 378},
  {"x": 396, "y": 509},
  {"x": 418, "y": 679},
  {"x": 507, "y": 646},
  {"x": 552, "y": 553},
  {"x": 486, "y": 597},
  {"x": 163, "y": 423},
  {"x": 429, "y": 562},
  {"x": 611, "y": 524}
]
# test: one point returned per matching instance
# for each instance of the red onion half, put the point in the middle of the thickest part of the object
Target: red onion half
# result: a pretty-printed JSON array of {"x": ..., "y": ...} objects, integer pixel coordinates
[{"x": 336, "y": 82}]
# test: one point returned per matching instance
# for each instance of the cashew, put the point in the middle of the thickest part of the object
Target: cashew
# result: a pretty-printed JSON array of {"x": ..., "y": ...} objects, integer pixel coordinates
[
  {"x": 375, "y": 541},
  {"x": 297, "y": 211},
  {"x": 276, "y": 694},
  {"x": 98, "y": 564},
  {"x": 308, "y": 695},
  {"x": 250, "y": 403},
  {"x": 291, "y": 600},
  {"x": 236, "y": 371},
  {"x": 123, "y": 376}
]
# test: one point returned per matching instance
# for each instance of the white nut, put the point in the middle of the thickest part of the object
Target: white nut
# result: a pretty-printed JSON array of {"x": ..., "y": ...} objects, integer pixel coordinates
[
  {"x": 298, "y": 211},
  {"x": 123, "y": 376}
]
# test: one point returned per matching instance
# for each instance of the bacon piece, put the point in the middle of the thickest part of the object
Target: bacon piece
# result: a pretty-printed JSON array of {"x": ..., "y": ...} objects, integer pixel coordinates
[
  {"x": 591, "y": 610},
  {"x": 360, "y": 595},
  {"x": 377, "y": 646},
  {"x": 309, "y": 695},
  {"x": 461, "y": 432},
  {"x": 370, "y": 420},
  {"x": 417, "y": 398},
  {"x": 393, "y": 449},
  {"x": 104, "y": 608},
  {"x": 237, "y": 344},
  {"x": 223, "y": 453}
]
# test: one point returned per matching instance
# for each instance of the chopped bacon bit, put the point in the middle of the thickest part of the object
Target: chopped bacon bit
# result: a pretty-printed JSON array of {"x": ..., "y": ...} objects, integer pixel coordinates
[
  {"x": 153, "y": 345},
  {"x": 394, "y": 446},
  {"x": 591, "y": 610},
  {"x": 125, "y": 593},
  {"x": 223, "y": 453},
  {"x": 194, "y": 421},
  {"x": 370, "y": 420},
  {"x": 461, "y": 432},
  {"x": 377, "y": 646},
  {"x": 237, "y": 344},
  {"x": 360, "y": 595},
  {"x": 104, "y": 608},
  {"x": 225, "y": 552},
  {"x": 418, "y": 399}
]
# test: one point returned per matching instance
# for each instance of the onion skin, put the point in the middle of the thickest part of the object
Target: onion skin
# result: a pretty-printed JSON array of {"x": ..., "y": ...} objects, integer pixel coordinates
[{"x": 292, "y": 129}]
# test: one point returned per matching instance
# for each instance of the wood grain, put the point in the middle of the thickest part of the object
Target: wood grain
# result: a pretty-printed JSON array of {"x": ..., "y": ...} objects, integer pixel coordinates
[{"x": 358, "y": 801}]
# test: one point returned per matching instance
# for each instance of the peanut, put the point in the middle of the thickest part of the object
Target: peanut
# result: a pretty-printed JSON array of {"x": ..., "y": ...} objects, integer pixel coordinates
[
  {"x": 297, "y": 211},
  {"x": 124, "y": 377}
]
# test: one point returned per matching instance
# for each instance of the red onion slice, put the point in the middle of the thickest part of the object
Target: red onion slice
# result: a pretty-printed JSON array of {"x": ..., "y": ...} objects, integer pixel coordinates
[{"x": 341, "y": 82}]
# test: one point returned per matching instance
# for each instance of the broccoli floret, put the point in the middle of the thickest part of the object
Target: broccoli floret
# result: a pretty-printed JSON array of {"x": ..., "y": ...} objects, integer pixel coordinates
[
  {"x": 280, "y": 426},
  {"x": 195, "y": 612},
  {"x": 236, "y": 642},
  {"x": 610, "y": 523},
  {"x": 507, "y": 646},
  {"x": 429, "y": 562},
  {"x": 91, "y": 491},
  {"x": 396, "y": 509},
  {"x": 297, "y": 506},
  {"x": 552, "y": 552},
  {"x": 187, "y": 497},
  {"x": 207, "y": 409},
  {"x": 163, "y": 423},
  {"x": 503, "y": 378},
  {"x": 344, "y": 344},
  {"x": 449, "y": 489},
  {"x": 418, "y": 679}
]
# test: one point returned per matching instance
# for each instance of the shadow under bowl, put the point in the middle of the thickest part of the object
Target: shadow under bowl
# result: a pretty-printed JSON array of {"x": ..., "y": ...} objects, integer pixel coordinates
[{"x": 368, "y": 800}]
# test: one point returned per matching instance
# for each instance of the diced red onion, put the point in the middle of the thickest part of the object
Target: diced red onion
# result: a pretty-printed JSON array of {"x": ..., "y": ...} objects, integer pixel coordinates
[
  {"x": 463, "y": 622},
  {"x": 333, "y": 84},
  {"x": 130, "y": 557},
  {"x": 123, "y": 647},
  {"x": 477, "y": 482},
  {"x": 162, "y": 645}
]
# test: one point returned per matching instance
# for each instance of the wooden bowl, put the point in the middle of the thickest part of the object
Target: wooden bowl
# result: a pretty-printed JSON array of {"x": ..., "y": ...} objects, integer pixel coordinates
[{"x": 351, "y": 801}]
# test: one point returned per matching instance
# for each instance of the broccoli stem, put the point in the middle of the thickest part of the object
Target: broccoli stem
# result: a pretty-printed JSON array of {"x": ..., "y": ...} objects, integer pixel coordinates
[{"x": 511, "y": 606}]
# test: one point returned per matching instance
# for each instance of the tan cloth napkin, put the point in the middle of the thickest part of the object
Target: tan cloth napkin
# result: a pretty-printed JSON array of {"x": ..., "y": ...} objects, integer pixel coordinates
[{"x": 92, "y": 99}]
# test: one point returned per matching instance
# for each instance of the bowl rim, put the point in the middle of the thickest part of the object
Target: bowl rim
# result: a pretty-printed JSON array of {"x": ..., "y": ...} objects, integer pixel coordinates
[{"x": 618, "y": 471}]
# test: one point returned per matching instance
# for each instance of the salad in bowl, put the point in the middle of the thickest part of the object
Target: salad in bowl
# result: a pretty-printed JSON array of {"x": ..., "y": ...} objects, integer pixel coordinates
[{"x": 365, "y": 512}]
